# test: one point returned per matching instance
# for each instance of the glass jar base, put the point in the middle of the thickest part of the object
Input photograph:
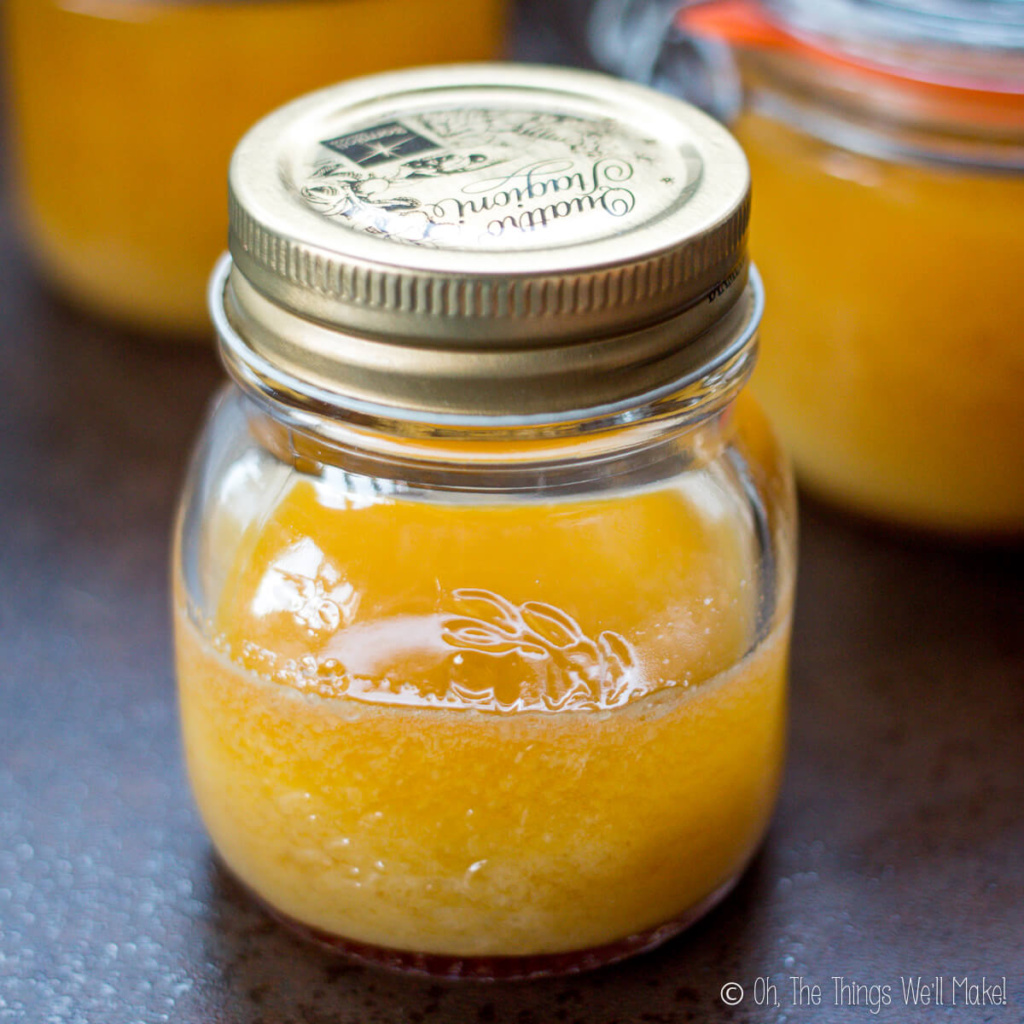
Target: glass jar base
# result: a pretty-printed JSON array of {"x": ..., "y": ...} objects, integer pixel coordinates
[{"x": 496, "y": 968}]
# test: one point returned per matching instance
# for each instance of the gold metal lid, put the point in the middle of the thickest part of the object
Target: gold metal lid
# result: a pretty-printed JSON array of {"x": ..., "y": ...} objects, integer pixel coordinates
[{"x": 485, "y": 240}]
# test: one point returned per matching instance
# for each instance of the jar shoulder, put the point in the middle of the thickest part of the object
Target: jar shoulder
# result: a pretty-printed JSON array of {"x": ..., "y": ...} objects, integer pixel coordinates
[{"x": 388, "y": 579}]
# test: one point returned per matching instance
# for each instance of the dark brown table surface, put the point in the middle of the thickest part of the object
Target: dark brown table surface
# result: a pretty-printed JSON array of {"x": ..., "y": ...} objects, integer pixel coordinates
[{"x": 897, "y": 850}]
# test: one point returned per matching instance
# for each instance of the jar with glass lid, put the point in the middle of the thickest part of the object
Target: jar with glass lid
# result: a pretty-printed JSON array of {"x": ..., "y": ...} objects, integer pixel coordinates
[
  {"x": 484, "y": 569},
  {"x": 125, "y": 113},
  {"x": 886, "y": 142}
]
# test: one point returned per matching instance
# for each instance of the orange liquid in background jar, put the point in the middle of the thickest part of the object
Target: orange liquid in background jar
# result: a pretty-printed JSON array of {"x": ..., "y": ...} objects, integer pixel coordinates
[
  {"x": 892, "y": 358},
  {"x": 126, "y": 113},
  {"x": 484, "y": 730}
]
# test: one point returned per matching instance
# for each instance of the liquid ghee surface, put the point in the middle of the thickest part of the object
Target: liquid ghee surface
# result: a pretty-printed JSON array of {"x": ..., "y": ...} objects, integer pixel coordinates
[
  {"x": 473, "y": 729},
  {"x": 126, "y": 113},
  {"x": 892, "y": 358}
]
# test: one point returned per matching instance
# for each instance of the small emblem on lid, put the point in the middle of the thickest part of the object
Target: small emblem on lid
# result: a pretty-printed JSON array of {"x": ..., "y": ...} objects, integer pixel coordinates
[{"x": 380, "y": 144}]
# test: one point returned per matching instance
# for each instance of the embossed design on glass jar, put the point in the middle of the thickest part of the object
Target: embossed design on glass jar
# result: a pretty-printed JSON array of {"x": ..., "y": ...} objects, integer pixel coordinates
[
  {"x": 572, "y": 669},
  {"x": 454, "y": 659},
  {"x": 302, "y": 582}
]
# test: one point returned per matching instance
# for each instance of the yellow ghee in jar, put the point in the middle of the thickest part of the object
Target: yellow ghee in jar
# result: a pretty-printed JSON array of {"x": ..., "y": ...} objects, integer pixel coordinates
[
  {"x": 892, "y": 359},
  {"x": 126, "y": 113},
  {"x": 487, "y": 729},
  {"x": 485, "y": 564}
]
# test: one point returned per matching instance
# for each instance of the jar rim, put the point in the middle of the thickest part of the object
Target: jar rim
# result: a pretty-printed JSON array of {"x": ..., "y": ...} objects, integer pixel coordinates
[{"x": 730, "y": 351}]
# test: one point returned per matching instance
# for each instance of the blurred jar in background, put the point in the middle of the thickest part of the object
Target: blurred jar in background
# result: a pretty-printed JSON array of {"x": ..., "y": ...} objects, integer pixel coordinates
[
  {"x": 126, "y": 113},
  {"x": 886, "y": 143}
]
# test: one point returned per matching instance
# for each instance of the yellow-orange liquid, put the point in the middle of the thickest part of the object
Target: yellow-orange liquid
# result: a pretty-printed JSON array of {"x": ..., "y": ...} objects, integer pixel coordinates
[
  {"x": 127, "y": 112},
  {"x": 487, "y": 730},
  {"x": 892, "y": 359}
]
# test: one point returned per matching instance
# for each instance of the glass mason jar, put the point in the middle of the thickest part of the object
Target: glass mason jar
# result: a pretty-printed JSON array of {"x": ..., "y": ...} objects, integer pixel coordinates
[
  {"x": 126, "y": 112},
  {"x": 886, "y": 143},
  {"x": 894, "y": 354},
  {"x": 484, "y": 568}
]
